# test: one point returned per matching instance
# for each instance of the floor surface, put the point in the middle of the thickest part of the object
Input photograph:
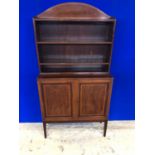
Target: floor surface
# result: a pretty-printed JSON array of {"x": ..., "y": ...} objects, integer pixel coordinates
[{"x": 77, "y": 139}]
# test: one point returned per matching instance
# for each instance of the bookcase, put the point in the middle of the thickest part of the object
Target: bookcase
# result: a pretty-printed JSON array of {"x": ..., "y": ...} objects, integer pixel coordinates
[{"x": 74, "y": 49}]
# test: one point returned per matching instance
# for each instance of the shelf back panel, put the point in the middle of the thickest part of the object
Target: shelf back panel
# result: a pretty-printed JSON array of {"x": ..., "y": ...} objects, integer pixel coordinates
[
  {"x": 74, "y": 31},
  {"x": 74, "y": 53}
]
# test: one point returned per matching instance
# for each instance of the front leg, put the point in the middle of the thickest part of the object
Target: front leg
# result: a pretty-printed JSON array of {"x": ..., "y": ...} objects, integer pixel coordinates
[
  {"x": 105, "y": 127},
  {"x": 44, "y": 127}
]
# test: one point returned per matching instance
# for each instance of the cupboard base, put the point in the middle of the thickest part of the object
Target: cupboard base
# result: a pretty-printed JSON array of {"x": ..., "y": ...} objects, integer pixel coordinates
[{"x": 75, "y": 100}]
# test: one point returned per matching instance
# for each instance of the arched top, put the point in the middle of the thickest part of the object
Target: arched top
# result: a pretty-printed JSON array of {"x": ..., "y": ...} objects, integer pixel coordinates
[{"x": 73, "y": 11}]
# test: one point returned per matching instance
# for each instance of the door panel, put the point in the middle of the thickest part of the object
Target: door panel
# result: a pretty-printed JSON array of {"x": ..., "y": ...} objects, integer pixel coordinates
[
  {"x": 93, "y": 99},
  {"x": 57, "y": 99}
]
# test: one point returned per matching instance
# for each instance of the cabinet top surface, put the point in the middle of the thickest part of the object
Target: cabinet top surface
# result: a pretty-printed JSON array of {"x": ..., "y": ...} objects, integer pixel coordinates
[{"x": 74, "y": 12}]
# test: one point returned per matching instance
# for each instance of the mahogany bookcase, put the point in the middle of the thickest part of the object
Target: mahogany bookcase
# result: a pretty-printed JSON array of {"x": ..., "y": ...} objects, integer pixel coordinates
[{"x": 74, "y": 49}]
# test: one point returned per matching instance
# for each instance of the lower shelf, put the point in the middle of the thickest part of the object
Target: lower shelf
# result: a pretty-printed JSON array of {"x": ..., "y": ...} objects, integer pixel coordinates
[{"x": 76, "y": 69}]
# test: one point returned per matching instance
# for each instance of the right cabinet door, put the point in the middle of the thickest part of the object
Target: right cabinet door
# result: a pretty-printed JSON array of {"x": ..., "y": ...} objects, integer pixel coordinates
[{"x": 94, "y": 97}]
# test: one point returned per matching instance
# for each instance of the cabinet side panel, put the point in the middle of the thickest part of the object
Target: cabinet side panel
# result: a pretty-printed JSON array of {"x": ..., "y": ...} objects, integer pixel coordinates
[
  {"x": 109, "y": 93},
  {"x": 35, "y": 34},
  {"x": 41, "y": 99}
]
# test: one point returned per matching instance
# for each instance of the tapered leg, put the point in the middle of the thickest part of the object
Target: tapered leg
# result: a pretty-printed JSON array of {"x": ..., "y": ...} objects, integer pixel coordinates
[
  {"x": 105, "y": 127},
  {"x": 44, "y": 127}
]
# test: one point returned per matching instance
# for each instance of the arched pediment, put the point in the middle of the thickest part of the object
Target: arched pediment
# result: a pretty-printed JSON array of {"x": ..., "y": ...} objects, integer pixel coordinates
[{"x": 73, "y": 11}]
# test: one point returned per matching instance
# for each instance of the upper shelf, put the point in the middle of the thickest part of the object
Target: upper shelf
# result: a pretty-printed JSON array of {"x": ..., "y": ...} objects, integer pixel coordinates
[
  {"x": 74, "y": 43},
  {"x": 74, "y": 11}
]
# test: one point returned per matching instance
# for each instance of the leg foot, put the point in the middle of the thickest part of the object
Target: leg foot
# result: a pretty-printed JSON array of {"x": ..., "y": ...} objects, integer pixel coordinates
[
  {"x": 44, "y": 127},
  {"x": 105, "y": 128}
]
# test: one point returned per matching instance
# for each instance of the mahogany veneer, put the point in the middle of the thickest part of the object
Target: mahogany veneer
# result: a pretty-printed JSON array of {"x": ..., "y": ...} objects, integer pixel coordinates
[{"x": 74, "y": 48}]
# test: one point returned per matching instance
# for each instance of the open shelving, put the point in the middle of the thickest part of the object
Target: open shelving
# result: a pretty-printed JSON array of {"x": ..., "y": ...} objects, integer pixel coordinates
[{"x": 74, "y": 46}]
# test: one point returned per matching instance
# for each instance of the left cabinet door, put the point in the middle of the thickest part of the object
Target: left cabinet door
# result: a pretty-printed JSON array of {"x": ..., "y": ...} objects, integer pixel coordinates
[{"x": 55, "y": 97}]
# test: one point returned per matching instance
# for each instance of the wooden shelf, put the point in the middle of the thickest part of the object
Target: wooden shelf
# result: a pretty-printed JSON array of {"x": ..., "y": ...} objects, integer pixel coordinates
[
  {"x": 78, "y": 43},
  {"x": 74, "y": 73},
  {"x": 72, "y": 64}
]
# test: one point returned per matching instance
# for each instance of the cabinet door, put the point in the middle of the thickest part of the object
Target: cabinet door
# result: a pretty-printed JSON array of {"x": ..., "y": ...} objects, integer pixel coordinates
[
  {"x": 94, "y": 97},
  {"x": 57, "y": 98}
]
